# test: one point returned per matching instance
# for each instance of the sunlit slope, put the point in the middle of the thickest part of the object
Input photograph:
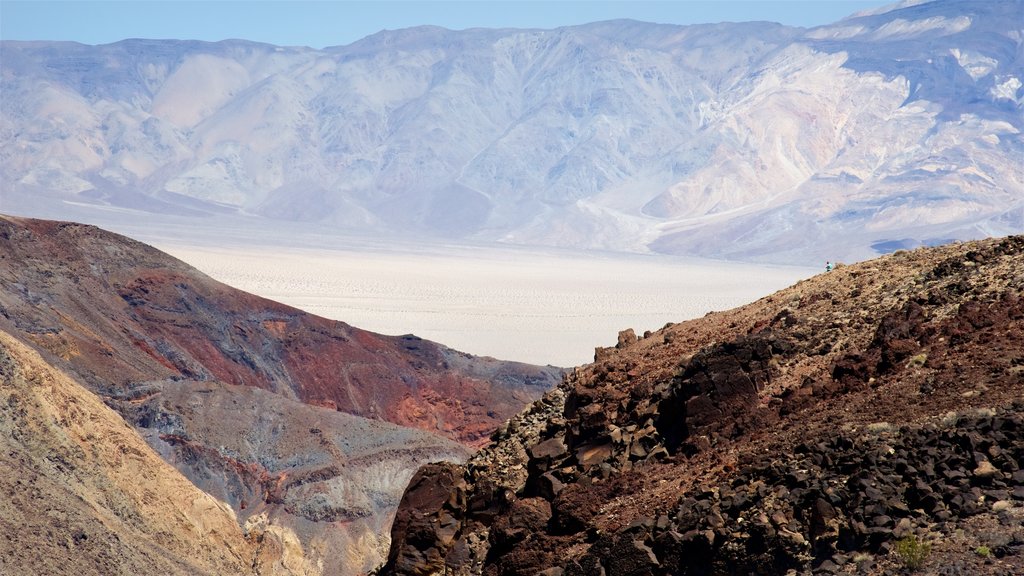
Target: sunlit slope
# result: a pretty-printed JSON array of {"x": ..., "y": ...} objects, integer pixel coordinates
[{"x": 86, "y": 495}]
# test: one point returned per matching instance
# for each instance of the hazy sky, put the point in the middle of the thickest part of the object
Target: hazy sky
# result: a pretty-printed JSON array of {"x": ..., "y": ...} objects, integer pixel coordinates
[{"x": 330, "y": 23}]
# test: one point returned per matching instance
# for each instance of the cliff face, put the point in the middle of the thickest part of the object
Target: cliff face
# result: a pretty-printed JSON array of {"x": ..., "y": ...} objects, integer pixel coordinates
[
  {"x": 813, "y": 430},
  {"x": 258, "y": 405}
]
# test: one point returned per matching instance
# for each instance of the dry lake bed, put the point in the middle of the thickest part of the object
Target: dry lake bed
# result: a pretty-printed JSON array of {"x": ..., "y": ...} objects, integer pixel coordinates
[{"x": 531, "y": 305}]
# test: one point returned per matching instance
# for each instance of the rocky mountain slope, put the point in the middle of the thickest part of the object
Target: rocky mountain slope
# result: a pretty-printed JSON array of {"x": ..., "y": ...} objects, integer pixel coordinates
[
  {"x": 882, "y": 131},
  {"x": 121, "y": 313},
  {"x": 865, "y": 421},
  {"x": 280, "y": 417},
  {"x": 83, "y": 490}
]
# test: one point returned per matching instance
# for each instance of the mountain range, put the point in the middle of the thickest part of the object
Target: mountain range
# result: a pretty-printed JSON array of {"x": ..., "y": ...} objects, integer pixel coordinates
[{"x": 756, "y": 141}]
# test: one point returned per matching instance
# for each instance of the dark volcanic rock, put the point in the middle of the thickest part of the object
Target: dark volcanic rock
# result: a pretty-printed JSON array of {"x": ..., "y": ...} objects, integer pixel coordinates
[
  {"x": 428, "y": 520},
  {"x": 808, "y": 431},
  {"x": 714, "y": 393}
]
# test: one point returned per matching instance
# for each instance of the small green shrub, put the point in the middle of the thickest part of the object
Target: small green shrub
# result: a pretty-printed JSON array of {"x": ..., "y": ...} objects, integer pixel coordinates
[
  {"x": 913, "y": 552},
  {"x": 983, "y": 551}
]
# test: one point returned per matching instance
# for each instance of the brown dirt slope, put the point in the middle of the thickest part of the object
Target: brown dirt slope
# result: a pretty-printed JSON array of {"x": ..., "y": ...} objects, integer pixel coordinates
[
  {"x": 84, "y": 494},
  {"x": 812, "y": 431},
  {"x": 118, "y": 312}
]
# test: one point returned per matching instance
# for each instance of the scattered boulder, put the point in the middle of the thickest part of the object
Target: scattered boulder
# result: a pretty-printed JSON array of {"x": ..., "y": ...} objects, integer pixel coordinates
[{"x": 626, "y": 337}]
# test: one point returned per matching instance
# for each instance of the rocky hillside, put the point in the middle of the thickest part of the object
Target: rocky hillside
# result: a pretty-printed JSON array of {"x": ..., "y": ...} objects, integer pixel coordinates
[
  {"x": 121, "y": 313},
  {"x": 865, "y": 421},
  {"x": 279, "y": 417},
  {"x": 83, "y": 492},
  {"x": 737, "y": 140}
]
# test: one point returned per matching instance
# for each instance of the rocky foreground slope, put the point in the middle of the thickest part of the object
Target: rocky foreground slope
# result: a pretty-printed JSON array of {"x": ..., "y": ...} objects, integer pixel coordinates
[
  {"x": 83, "y": 492},
  {"x": 287, "y": 423},
  {"x": 827, "y": 428}
]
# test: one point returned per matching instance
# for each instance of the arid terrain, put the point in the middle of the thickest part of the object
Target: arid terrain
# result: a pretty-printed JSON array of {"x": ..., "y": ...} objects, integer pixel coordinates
[
  {"x": 85, "y": 495},
  {"x": 505, "y": 291},
  {"x": 122, "y": 313},
  {"x": 154, "y": 419},
  {"x": 748, "y": 141},
  {"x": 529, "y": 305},
  {"x": 827, "y": 428},
  {"x": 297, "y": 430}
]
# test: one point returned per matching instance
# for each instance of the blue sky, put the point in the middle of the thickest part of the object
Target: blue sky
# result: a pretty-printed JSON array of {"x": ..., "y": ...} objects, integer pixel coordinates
[{"x": 330, "y": 23}]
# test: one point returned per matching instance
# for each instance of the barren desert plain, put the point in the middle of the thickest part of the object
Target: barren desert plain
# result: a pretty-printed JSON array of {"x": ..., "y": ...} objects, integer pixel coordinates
[{"x": 525, "y": 304}]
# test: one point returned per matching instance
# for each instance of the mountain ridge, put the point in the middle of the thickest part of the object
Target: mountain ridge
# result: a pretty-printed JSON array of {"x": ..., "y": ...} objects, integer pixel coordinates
[
  {"x": 810, "y": 431},
  {"x": 175, "y": 322},
  {"x": 299, "y": 431},
  {"x": 767, "y": 143}
]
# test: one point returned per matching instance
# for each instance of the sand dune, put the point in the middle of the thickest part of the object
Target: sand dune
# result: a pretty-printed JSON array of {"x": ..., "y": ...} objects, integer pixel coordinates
[{"x": 543, "y": 307}]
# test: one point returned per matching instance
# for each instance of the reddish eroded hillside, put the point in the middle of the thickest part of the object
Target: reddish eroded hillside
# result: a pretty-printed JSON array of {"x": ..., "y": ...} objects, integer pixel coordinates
[
  {"x": 255, "y": 403},
  {"x": 808, "y": 432},
  {"x": 120, "y": 313}
]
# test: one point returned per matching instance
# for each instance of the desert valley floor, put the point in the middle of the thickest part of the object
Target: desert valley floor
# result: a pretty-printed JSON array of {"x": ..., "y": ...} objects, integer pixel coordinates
[{"x": 529, "y": 305}]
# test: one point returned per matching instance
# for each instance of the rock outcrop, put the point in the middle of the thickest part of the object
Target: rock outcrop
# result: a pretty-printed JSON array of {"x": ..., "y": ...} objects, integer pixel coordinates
[{"x": 822, "y": 429}]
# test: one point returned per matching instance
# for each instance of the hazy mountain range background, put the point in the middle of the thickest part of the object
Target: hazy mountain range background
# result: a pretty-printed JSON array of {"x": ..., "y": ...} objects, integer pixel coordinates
[{"x": 750, "y": 141}]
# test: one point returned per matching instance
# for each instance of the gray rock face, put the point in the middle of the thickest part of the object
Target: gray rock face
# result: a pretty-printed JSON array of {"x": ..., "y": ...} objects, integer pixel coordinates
[
  {"x": 754, "y": 140},
  {"x": 323, "y": 475}
]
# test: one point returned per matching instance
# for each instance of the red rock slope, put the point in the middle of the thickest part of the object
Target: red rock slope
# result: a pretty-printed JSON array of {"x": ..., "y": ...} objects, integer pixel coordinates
[
  {"x": 120, "y": 313},
  {"x": 254, "y": 403}
]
